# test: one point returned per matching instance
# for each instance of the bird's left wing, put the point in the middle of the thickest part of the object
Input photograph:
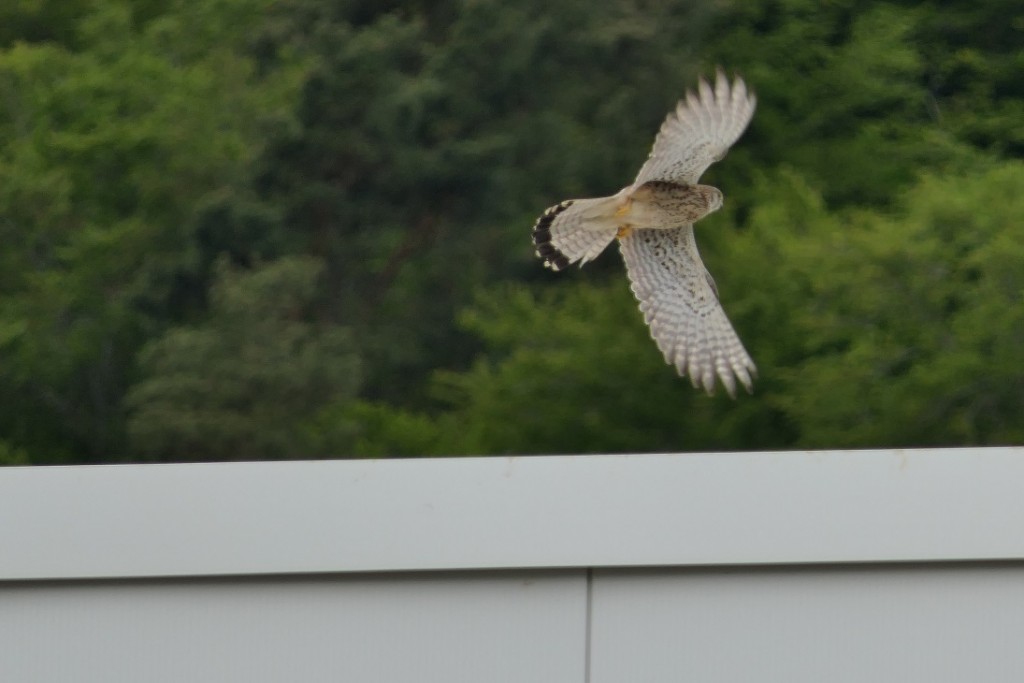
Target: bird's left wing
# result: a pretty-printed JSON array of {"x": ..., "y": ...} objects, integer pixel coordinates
[
  {"x": 679, "y": 303},
  {"x": 699, "y": 132}
]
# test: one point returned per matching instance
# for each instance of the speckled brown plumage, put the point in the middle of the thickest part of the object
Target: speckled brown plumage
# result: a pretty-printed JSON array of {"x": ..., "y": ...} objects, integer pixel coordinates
[{"x": 653, "y": 219}]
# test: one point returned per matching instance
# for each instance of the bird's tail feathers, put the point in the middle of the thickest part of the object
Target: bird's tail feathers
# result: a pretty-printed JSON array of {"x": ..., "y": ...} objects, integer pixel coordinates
[{"x": 576, "y": 230}]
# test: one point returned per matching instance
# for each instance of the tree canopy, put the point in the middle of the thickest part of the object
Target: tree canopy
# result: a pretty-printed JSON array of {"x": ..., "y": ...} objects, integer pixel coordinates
[{"x": 300, "y": 228}]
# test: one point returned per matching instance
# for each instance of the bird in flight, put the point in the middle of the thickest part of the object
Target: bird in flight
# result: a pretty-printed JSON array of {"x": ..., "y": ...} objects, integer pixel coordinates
[{"x": 653, "y": 220}]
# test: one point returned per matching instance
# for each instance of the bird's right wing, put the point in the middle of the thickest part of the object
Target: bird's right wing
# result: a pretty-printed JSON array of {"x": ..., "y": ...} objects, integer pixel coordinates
[
  {"x": 679, "y": 304},
  {"x": 699, "y": 132}
]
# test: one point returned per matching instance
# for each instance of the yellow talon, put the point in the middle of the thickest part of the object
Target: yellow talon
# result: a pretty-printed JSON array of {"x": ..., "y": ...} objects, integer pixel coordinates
[{"x": 624, "y": 231}]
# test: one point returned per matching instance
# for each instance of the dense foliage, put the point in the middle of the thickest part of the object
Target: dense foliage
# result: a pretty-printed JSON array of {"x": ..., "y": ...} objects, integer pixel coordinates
[{"x": 300, "y": 228}]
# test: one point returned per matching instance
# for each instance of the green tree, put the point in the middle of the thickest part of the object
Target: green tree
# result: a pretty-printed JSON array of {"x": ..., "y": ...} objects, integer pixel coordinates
[
  {"x": 872, "y": 329},
  {"x": 41, "y": 20},
  {"x": 9, "y": 455},
  {"x": 248, "y": 383},
  {"x": 431, "y": 135},
  {"x": 571, "y": 370},
  {"x": 407, "y": 146},
  {"x": 108, "y": 145},
  {"x": 914, "y": 335}
]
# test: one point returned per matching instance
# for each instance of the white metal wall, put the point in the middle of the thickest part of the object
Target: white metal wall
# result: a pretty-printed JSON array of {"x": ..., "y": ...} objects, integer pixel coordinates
[
  {"x": 443, "y": 628},
  {"x": 872, "y": 566},
  {"x": 928, "y": 624}
]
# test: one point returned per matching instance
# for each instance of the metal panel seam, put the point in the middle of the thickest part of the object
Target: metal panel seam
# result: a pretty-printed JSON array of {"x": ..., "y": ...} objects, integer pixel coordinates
[{"x": 588, "y": 624}]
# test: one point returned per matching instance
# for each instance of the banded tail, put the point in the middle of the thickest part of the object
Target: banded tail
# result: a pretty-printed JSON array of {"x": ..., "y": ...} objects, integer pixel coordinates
[{"x": 576, "y": 230}]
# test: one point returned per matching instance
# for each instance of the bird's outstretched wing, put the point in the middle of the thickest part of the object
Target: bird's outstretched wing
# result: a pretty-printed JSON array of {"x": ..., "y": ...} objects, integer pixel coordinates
[
  {"x": 699, "y": 132},
  {"x": 679, "y": 303}
]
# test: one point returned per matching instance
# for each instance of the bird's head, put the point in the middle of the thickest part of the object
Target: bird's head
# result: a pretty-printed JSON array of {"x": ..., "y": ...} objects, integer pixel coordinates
[{"x": 713, "y": 196}]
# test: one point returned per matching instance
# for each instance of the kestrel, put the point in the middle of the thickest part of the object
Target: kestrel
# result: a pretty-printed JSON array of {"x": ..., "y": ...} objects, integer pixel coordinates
[{"x": 653, "y": 219}]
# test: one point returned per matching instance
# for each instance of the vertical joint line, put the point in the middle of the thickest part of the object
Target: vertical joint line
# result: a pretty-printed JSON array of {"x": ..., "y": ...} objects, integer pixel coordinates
[{"x": 588, "y": 626}]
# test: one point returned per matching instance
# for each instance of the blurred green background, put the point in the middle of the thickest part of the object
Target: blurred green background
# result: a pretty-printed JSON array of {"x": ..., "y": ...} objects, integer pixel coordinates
[{"x": 244, "y": 229}]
